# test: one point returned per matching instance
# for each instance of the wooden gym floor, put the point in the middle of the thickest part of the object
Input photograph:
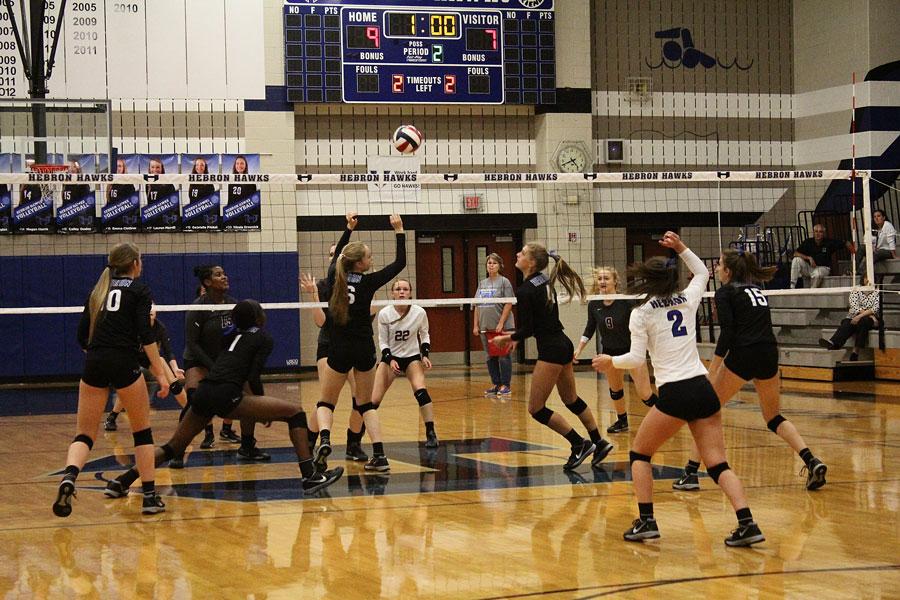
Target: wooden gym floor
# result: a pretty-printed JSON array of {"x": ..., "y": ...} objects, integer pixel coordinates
[{"x": 490, "y": 514}]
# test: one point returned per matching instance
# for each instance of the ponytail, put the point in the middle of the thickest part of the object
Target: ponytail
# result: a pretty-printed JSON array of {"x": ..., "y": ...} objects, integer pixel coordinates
[
  {"x": 744, "y": 268},
  {"x": 120, "y": 259},
  {"x": 339, "y": 303},
  {"x": 656, "y": 277},
  {"x": 571, "y": 281}
]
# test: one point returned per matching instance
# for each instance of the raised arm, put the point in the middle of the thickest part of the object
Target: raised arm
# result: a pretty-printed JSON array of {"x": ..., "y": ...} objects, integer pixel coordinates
[
  {"x": 308, "y": 286},
  {"x": 383, "y": 276},
  {"x": 352, "y": 221}
]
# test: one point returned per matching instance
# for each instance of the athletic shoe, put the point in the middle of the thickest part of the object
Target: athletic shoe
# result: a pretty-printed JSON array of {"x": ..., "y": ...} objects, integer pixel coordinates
[
  {"x": 687, "y": 483},
  {"x": 209, "y": 440},
  {"x": 115, "y": 489},
  {"x": 356, "y": 453},
  {"x": 579, "y": 453},
  {"x": 745, "y": 535},
  {"x": 253, "y": 453},
  {"x": 110, "y": 424},
  {"x": 491, "y": 392},
  {"x": 320, "y": 481},
  {"x": 601, "y": 452},
  {"x": 815, "y": 474},
  {"x": 228, "y": 435},
  {"x": 504, "y": 391},
  {"x": 62, "y": 507},
  {"x": 431, "y": 440},
  {"x": 378, "y": 463},
  {"x": 152, "y": 505},
  {"x": 618, "y": 427},
  {"x": 177, "y": 463},
  {"x": 642, "y": 529},
  {"x": 320, "y": 460}
]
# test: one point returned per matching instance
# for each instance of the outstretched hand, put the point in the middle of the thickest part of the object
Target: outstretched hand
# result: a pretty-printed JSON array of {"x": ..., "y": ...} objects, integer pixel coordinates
[
  {"x": 397, "y": 223},
  {"x": 352, "y": 220},
  {"x": 672, "y": 240},
  {"x": 308, "y": 283}
]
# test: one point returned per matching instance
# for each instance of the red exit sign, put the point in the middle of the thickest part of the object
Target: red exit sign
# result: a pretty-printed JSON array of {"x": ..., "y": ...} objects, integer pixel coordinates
[{"x": 472, "y": 202}]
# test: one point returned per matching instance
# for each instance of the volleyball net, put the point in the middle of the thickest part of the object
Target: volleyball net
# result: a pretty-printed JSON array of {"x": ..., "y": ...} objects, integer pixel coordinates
[{"x": 288, "y": 222}]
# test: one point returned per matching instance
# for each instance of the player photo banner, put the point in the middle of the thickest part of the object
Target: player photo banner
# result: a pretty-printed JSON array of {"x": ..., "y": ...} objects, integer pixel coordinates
[
  {"x": 78, "y": 211},
  {"x": 243, "y": 211},
  {"x": 162, "y": 211},
  {"x": 34, "y": 214},
  {"x": 122, "y": 211},
  {"x": 5, "y": 209},
  {"x": 202, "y": 212}
]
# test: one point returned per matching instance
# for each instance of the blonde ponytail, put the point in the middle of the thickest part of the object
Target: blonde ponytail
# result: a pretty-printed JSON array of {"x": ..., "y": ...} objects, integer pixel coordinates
[{"x": 120, "y": 260}]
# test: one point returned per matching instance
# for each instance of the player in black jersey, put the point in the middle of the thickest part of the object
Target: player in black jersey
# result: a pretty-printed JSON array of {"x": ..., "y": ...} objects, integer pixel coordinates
[
  {"x": 114, "y": 325},
  {"x": 168, "y": 363},
  {"x": 203, "y": 331},
  {"x": 609, "y": 318},
  {"x": 243, "y": 357},
  {"x": 539, "y": 317},
  {"x": 200, "y": 190},
  {"x": 747, "y": 350},
  {"x": 322, "y": 291},
  {"x": 349, "y": 326}
]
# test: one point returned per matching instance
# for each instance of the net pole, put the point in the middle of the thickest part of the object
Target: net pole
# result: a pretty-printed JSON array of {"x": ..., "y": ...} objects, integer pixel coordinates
[
  {"x": 853, "y": 207},
  {"x": 719, "y": 214},
  {"x": 867, "y": 223}
]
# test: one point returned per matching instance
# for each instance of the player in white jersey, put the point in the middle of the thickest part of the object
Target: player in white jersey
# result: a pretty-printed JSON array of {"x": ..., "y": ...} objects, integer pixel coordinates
[
  {"x": 664, "y": 325},
  {"x": 404, "y": 342}
]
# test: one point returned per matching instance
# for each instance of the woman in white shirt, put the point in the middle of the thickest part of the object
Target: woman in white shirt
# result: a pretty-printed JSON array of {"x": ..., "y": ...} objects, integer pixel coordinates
[
  {"x": 665, "y": 325},
  {"x": 405, "y": 343}
]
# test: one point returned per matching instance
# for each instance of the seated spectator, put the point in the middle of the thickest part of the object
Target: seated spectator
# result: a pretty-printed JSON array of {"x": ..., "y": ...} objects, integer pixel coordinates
[
  {"x": 885, "y": 242},
  {"x": 813, "y": 257},
  {"x": 862, "y": 316}
]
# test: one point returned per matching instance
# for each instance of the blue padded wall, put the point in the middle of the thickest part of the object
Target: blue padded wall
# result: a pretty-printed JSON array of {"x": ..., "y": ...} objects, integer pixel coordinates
[{"x": 41, "y": 345}]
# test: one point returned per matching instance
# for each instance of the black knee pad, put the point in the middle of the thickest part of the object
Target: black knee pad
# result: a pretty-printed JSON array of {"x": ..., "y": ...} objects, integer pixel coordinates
[
  {"x": 175, "y": 387},
  {"x": 422, "y": 397},
  {"x": 775, "y": 422},
  {"x": 168, "y": 452},
  {"x": 634, "y": 456},
  {"x": 364, "y": 408},
  {"x": 543, "y": 415},
  {"x": 651, "y": 400},
  {"x": 617, "y": 394},
  {"x": 84, "y": 439},
  {"x": 577, "y": 407},
  {"x": 298, "y": 420},
  {"x": 716, "y": 471},
  {"x": 144, "y": 437},
  {"x": 327, "y": 405}
]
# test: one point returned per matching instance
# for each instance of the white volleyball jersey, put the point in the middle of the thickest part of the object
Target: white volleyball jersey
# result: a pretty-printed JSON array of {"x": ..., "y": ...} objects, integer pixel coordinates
[
  {"x": 403, "y": 335},
  {"x": 667, "y": 328}
]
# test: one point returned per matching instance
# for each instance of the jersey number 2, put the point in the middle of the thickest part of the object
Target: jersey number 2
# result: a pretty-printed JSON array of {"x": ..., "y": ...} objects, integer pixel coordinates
[{"x": 677, "y": 319}]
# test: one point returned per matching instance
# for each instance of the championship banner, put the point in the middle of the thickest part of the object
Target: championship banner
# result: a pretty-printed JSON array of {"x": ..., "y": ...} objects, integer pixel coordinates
[
  {"x": 399, "y": 178},
  {"x": 202, "y": 210},
  {"x": 121, "y": 213},
  {"x": 162, "y": 211},
  {"x": 243, "y": 211},
  {"x": 78, "y": 213}
]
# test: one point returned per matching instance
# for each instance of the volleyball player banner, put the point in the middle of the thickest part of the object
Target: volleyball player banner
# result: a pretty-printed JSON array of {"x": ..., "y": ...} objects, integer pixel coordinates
[
  {"x": 121, "y": 212},
  {"x": 34, "y": 214},
  {"x": 244, "y": 209},
  {"x": 162, "y": 211},
  {"x": 398, "y": 178},
  {"x": 78, "y": 212},
  {"x": 6, "y": 166},
  {"x": 202, "y": 211}
]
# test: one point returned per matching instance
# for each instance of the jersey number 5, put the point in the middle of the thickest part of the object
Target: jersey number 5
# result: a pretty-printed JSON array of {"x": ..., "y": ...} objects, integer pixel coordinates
[
  {"x": 756, "y": 297},
  {"x": 677, "y": 319}
]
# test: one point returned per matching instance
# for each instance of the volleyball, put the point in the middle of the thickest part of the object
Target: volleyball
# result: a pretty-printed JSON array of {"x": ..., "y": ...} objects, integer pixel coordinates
[{"x": 407, "y": 139}]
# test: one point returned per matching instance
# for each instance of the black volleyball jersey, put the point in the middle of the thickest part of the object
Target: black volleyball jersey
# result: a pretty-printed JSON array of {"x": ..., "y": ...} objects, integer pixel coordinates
[
  {"x": 120, "y": 191},
  {"x": 744, "y": 317},
  {"x": 324, "y": 288},
  {"x": 124, "y": 321},
  {"x": 161, "y": 335},
  {"x": 203, "y": 331},
  {"x": 610, "y": 323},
  {"x": 197, "y": 191},
  {"x": 362, "y": 288},
  {"x": 158, "y": 191},
  {"x": 537, "y": 317},
  {"x": 242, "y": 358}
]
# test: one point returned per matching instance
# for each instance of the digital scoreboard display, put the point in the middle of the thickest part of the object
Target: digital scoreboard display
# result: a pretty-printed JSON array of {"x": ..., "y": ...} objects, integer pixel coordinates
[{"x": 420, "y": 51}]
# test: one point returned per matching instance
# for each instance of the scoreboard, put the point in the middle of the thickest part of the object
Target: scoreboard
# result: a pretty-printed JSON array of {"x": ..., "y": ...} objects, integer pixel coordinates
[{"x": 420, "y": 51}]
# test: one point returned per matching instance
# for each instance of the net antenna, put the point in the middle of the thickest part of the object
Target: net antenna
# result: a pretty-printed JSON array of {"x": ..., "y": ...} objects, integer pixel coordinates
[{"x": 36, "y": 70}]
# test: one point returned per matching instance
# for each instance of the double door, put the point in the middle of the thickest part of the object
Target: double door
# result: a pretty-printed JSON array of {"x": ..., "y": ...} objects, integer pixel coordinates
[{"x": 450, "y": 265}]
